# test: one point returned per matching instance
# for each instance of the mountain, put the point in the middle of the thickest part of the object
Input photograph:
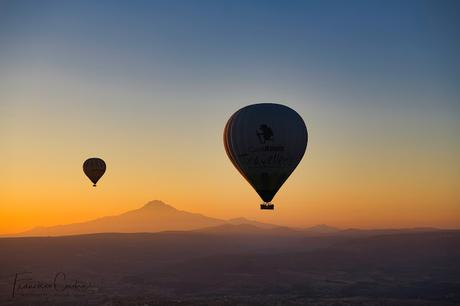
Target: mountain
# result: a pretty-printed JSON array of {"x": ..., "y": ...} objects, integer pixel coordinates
[
  {"x": 322, "y": 229},
  {"x": 154, "y": 216},
  {"x": 231, "y": 229},
  {"x": 239, "y": 221},
  {"x": 356, "y": 232},
  {"x": 157, "y": 216}
]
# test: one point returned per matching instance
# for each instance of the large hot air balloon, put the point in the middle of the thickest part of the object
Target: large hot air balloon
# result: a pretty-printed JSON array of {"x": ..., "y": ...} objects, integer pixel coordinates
[
  {"x": 265, "y": 143},
  {"x": 94, "y": 169}
]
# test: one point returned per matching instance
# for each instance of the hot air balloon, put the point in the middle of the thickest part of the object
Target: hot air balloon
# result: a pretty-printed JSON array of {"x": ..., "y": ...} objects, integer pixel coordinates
[
  {"x": 94, "y": 169},
  {"x": 265, "y": 142}
]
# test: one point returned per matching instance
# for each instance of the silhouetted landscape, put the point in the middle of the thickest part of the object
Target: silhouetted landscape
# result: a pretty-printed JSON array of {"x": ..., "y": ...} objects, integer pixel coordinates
[{"x": 206, "y": 261}]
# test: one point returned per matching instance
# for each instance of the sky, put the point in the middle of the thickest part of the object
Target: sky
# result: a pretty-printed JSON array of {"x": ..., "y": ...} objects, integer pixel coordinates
[{"x": 149, "y": 85}]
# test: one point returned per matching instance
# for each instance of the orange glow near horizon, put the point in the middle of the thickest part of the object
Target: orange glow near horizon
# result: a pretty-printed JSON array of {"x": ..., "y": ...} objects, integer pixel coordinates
[
  {"x": 44, "y": 184},
  {"x": 151, "y": 92}
]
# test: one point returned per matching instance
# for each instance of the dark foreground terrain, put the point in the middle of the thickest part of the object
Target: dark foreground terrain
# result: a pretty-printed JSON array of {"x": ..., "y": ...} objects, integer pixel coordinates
[{"x": 232, "y": 265}]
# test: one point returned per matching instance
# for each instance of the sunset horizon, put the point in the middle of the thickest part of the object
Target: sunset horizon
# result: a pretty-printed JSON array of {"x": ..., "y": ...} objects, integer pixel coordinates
[
  {"x": 305, "y": 152},
  {"x": 255, "y": 217}
]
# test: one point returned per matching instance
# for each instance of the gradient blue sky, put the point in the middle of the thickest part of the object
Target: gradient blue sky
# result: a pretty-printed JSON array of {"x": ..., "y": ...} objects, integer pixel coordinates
[{"x": 153, "y": 82}]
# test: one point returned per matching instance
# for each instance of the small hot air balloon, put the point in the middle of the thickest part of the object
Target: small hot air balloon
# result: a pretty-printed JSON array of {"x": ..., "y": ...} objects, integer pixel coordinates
[
  {"x": 94, "y": 169},
  {"x": 265, "y": 143}
]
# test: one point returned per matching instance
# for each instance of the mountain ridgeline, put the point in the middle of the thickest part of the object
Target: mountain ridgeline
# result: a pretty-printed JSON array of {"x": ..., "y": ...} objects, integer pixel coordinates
[{"x": 156, "y": 216}]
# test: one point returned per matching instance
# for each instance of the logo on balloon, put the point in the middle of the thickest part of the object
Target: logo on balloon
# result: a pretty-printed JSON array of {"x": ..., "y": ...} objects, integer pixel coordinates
[{"x": 264, "y": 133}]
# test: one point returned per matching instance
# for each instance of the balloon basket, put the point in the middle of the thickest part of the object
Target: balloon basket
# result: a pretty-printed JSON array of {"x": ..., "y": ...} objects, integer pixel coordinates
[{"x": 267, "y": 206}]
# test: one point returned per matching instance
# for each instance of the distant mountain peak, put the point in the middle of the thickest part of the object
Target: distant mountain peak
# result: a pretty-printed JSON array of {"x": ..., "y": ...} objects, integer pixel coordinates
[
  {"x": 240, "y": 219},
  {"x": 323, "y": 228},
  {"x": 157, "y": 204}
]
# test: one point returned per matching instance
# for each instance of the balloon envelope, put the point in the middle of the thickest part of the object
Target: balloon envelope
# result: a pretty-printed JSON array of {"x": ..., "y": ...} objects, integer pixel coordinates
[
  {"x": 265, "y": 142},
  {"x": 94, "y": 169}
]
